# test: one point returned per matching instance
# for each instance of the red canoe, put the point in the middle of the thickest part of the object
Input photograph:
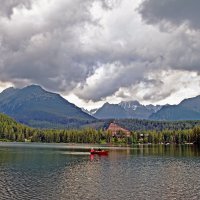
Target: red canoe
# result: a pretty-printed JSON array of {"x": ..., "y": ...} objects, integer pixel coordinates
[{"x": 100, "y": 153}]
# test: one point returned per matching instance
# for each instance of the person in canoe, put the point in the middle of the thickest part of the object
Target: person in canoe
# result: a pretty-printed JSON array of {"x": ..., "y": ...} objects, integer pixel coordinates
[
  {"x": 92, "y": 150},
  {"x": 98, "y": 152}
]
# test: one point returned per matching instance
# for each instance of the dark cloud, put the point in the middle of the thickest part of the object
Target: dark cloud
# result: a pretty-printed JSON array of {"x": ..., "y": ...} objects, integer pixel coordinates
[
  {"x": 46, "y": 50},
  {"x": 68, "y": 46},
  {"x": 42, "y": 42},
  {"x": 176, "y": 12},
  {"x": 49, "y": 49},
  {"x": 179, "y": 19}
]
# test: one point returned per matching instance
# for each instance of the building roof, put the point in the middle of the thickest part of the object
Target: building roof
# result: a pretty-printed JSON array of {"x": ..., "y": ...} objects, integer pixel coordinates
[{"x": 114, "y": 129}]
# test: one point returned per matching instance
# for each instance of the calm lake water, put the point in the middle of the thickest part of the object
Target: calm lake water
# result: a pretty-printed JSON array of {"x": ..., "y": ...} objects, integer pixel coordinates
[{"x": 60, "y": 171}]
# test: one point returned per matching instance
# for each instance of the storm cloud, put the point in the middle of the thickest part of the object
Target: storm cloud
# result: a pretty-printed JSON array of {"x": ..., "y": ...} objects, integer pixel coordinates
[
  {"x": 101, "y": 50},
  {"x": 180, "y": 18},
  {"x": 177, "y": 12},
  {"x": 42, "y": 44}
]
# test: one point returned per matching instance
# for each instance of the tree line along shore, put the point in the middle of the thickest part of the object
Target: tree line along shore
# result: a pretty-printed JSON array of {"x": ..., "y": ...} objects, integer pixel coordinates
[{"x": 12, "y": 131}]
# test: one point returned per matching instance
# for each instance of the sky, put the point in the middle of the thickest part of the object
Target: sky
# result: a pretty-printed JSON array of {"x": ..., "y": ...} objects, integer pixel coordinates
[{"x": 97, "y": 51}]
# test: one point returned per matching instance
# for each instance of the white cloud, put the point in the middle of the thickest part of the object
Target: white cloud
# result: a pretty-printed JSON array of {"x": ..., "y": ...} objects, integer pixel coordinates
[
  {"x": 4, "y": 85},
  {"x": 170, "y": 86}
]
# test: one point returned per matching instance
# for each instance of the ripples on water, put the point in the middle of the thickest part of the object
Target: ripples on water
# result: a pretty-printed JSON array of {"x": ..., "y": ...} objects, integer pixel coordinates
[{"x": 55, "y": 172}]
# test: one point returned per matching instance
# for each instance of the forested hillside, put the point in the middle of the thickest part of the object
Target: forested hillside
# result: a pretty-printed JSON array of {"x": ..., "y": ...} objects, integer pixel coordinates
[
  {"x": 12, "y": 131},
  {"x": 141, "y": 125}
]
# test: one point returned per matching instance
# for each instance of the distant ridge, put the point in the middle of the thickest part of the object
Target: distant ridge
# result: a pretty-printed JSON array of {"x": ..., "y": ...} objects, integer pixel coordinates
[
  {"x": 37, "y": 107},
  {"x": 110, "y": 111},
  {"x": 126, "y": 110},
  {"x": 188, "y": 109}
]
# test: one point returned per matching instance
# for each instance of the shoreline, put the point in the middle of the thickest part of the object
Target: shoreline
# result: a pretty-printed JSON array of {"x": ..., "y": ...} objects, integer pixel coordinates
[{"x": 89, "y": 145}]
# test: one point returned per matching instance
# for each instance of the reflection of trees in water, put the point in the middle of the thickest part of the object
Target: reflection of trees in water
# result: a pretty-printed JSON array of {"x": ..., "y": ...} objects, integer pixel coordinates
[{"x": 166, "y": 150}]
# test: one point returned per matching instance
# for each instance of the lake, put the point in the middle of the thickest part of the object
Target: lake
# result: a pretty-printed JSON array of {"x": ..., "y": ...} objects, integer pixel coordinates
[{"x": 62, "y": 171}]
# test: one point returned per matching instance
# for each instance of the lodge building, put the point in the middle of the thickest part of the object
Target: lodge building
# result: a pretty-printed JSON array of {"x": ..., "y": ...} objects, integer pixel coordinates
[{"x": 115, "y": 129}]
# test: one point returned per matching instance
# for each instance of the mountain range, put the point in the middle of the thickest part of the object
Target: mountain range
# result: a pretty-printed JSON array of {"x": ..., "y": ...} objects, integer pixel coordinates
[
  {"x": 188, "y": 109},
  {"x": 126, "y": 110},
  {"x": 37, "y": 107}
]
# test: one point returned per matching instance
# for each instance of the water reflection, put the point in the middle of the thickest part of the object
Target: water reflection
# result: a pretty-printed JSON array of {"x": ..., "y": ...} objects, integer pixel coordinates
[
  {"x": 166, "y": 150},
  {"x": 139, "y": 172}
]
